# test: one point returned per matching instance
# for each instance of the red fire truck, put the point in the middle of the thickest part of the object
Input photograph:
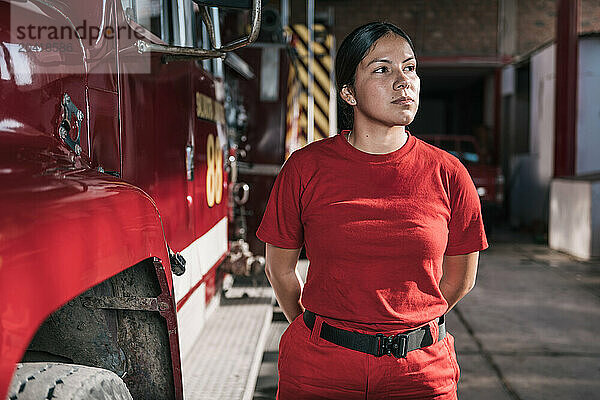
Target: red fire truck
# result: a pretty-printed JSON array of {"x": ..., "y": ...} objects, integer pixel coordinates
[{"x": 116, "y": 179}]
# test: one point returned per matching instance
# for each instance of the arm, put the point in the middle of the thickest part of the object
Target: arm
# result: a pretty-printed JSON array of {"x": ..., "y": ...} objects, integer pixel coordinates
[
  {"x": 458, "y": 277},
  {"x": 280, "y": 268}
]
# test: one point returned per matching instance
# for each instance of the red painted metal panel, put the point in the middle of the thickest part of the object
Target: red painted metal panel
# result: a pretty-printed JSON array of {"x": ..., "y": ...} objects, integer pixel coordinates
[
  {"x": 104, "y": 129},
  {"x": 33, "y": 93},
  {"x": 158, "y": 117},
  {"x": 154, "y": 143},
  {"x": 64, "y": 229}
]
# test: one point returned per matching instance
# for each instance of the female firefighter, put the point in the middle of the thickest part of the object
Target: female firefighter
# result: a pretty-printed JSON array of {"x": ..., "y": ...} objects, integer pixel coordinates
[{"x": 392, "y": 228}]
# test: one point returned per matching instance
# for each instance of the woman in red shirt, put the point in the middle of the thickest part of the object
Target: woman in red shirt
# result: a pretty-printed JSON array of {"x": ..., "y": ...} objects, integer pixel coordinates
[{"x": 392, "y": 228}]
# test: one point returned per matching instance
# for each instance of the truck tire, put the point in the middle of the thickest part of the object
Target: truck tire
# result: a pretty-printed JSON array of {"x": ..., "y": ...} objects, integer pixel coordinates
[{"x": 58, "y": 381}]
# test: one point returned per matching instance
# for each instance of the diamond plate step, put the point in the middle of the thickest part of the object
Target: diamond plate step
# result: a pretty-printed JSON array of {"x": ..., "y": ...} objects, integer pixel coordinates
[{"x": 225, "y": 361}]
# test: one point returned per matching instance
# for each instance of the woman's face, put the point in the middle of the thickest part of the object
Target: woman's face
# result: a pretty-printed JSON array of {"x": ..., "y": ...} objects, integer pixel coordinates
[{"x": 386, "y": 87}]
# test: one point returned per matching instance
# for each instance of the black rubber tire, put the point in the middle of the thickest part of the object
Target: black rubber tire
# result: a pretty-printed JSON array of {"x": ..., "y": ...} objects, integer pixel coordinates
[{"x": 58, "y": 381}]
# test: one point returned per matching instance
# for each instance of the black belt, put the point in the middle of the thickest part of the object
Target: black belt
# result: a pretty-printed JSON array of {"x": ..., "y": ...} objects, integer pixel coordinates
[{"x": 378, "y": 345}]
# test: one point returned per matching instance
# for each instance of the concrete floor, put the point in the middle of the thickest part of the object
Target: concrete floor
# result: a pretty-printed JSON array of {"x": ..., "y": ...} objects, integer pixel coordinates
[{"x": 527, "y": 331}]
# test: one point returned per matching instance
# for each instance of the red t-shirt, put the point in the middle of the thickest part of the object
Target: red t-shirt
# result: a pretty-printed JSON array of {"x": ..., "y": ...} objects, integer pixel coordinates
[{"x": 375, "y": 228}]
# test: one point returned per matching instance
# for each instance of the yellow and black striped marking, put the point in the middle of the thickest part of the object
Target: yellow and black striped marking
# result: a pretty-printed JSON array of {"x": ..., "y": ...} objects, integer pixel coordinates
[{"x": 297, "y": 101}]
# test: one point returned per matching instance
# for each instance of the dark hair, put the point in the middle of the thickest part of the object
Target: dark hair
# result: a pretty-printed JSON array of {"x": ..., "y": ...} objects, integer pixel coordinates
[{"x": 351, "y": 52}]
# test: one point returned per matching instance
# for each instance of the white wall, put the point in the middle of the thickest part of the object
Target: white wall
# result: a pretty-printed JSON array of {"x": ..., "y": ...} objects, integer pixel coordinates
[
  {"x": 541, "y": 139},
  {"x": 575, "y": 202},
  {"x": 595, "y": 218},
  {"x": 575, "y": 217},
  {"x": 531, "y": 173},
  {"x": 571, "y": 229},
  {"x": 588, "y": 107}
]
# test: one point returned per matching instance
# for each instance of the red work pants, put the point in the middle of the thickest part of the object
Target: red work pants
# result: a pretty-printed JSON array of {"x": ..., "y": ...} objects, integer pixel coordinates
[{"x": 312, "y": 368}]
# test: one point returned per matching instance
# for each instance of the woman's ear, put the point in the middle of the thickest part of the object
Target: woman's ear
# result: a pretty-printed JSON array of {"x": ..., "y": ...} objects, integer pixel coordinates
[{"x": 347, "y": 95}]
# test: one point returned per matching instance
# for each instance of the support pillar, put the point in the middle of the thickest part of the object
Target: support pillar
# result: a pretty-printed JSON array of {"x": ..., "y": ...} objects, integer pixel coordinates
[{"x": 565, "y": 133}]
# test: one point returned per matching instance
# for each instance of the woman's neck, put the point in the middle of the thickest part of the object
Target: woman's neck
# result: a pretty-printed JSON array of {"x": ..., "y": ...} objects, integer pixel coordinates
[{"x": 378, "y": 140}]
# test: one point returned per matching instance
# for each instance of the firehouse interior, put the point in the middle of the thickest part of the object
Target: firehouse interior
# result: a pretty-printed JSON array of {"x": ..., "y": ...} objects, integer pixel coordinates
[{"x": 171, "y": 169}]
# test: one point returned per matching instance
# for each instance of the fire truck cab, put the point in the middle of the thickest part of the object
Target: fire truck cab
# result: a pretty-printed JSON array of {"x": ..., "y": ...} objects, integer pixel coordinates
[{"x": 115, "y": 191}]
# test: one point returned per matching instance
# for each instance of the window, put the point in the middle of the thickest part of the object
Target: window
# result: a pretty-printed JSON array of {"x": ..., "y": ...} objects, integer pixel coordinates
[
  {"x": 153, "y": 15},
  {"x": 170, "y": 21},
  {"x": 184, "y": 23}
]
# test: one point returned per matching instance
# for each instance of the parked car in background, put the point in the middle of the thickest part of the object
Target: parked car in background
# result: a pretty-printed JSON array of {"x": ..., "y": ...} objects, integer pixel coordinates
[{"x": 488, "y": 178}]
